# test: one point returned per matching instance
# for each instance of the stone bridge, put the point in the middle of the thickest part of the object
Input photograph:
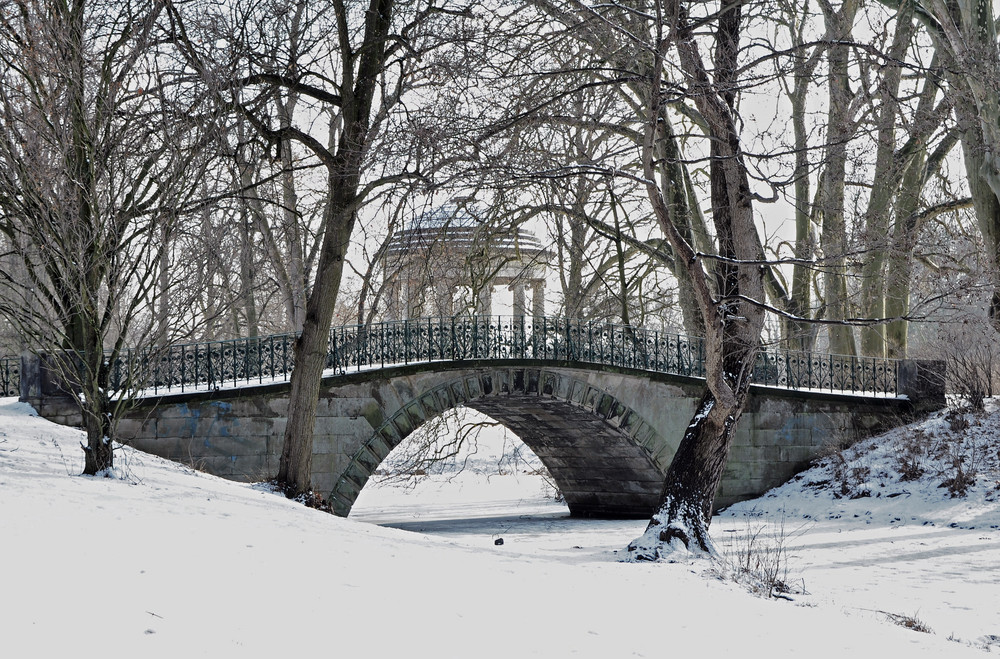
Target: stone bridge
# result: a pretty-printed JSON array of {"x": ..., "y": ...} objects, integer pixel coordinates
[{"x": 604, "y": 408}]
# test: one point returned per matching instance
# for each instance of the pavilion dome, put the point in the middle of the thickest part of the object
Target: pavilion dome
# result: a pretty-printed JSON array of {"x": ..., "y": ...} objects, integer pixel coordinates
[{"x": 460, "y": 225}]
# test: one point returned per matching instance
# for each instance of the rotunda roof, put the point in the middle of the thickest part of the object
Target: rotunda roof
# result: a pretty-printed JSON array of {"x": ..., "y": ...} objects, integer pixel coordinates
[{"x": 460, "y": 225}]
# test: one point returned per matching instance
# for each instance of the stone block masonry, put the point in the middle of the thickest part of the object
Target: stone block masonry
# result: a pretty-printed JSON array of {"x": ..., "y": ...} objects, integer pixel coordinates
[{"x": 607, "y": 435}]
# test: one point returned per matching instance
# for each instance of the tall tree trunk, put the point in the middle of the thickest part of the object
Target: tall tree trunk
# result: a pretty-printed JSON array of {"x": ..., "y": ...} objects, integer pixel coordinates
[
  {"x": 85, "y": 361},
  {"x": 248, "y": 283},
  {"x": 900, "y": 266},
  {"x": 285, "y": 261},
  {"x": 799, "y": 335},
  {"x": 965, "y": 36},
  {"x": 678, "y": 193},
  {"x": 312, "y": 346},
  {"x": 917, "y": 170},
  {"x": 292, "y": 225},
  {"x": 885, "y": 183},
  {"x": 162, "y": 336},
  {"x": 833, "y": 236}
]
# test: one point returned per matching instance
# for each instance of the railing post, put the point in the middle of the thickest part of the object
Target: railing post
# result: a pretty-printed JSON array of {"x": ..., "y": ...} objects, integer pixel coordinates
[
  {"x": 454, "y": 342},
  {"x": 613, "y": 351},
  {"x": 156, "y": 373},
  {"x": 406, "y": 341},
  {"x": 211, "y": 372},
  {"x": 334, "y": 348},
  {"x": 270, "y": 356},
  {"x": 545, "y": 338}
]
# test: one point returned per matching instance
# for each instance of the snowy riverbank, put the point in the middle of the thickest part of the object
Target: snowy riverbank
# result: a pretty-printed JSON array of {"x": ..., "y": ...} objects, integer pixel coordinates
[{"x": 169, "y": 562}]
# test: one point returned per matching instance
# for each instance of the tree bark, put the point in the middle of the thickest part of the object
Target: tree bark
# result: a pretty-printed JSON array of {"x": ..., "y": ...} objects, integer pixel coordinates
[
  {"x": 801, "y": 335},
  {"x": 689, "y": 487},
  {"x": 885, "y": 184},
  {"x": 312, "y": 346},
  {"x": 86, "y": 349}
]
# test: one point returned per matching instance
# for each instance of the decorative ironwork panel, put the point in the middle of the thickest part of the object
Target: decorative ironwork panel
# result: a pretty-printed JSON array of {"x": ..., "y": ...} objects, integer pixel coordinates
[
  {"x": 10, "y": 376},
  {"x": 798, "y": 370}
]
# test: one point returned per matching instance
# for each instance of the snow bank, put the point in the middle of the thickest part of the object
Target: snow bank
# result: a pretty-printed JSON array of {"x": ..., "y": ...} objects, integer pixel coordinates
[{"x": 166, "y": 562}]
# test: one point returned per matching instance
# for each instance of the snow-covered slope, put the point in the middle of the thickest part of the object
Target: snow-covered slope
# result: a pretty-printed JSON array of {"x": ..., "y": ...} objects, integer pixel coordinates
[
  {"x": 904, "y": 523},
  {"x": 165, "y": 562},
  {"x": 942, "y": 471}
]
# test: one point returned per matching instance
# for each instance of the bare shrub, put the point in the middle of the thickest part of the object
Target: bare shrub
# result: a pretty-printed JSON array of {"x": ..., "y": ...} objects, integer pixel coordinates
[
  {"x": 972, "y": 356},
  {"x": 911, "y": 460},
  {"x": 850, "y": 473},
  {"x": 757, "y": 558},
  {"x": 852, "y": 478},
  {"x": 961, "y": 459},
  {"x": 910, "y": 622}
]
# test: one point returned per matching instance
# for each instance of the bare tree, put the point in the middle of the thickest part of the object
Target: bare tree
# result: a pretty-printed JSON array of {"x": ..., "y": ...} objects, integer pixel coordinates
[
  {"x": 95, "y": 158},
  {"x": 328, "y": 105},
  {"x": 965, "y": 37},
  {"x": 727, "y": 280}
]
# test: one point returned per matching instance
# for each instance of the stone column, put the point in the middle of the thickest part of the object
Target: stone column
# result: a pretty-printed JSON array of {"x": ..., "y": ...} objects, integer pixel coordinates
[
  {"x": 518, "y": 289},
  {"x": 444, "y": 303},
  {"x": 538, "y": 298},
  {"x": 393, "y": 299},
  {"x": 414, "y": 299}
]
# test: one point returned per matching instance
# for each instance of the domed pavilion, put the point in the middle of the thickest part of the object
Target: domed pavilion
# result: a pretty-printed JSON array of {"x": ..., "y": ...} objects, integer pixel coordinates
[{"x": 448, "y": 261}]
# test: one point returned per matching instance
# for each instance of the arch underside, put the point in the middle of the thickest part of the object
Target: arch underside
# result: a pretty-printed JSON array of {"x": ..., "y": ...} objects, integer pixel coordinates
[{"x": 606, "y": 460}]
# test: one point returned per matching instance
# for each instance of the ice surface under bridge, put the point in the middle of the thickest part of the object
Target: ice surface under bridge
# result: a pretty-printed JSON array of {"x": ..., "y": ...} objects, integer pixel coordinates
[{"x": 603, "y": 406}]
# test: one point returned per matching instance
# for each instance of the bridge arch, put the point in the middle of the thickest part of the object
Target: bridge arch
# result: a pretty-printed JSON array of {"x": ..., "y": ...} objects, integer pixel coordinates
[{"x": 606, "y": 457}]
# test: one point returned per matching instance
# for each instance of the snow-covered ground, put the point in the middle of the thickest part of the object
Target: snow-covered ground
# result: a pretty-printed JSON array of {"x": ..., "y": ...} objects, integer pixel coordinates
[{"x": 169, "y": 562}]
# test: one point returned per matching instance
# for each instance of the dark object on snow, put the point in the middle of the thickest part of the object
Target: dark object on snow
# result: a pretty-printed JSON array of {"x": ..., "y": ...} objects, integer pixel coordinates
[{"x": 498, "y": 541}]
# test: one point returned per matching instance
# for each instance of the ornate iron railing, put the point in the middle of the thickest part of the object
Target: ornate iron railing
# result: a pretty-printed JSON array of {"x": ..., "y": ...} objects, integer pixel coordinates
[
  {"x": 206, "y": 365},
  {"x": 261, "y": 360},
  {"x": 10, "y": 376}
]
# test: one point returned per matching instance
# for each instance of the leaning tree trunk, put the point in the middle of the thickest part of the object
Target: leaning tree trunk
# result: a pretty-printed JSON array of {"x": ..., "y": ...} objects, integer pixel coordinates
[
  {"x": 730, "y": 293},
  {"x": 691, "y": 482}
]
